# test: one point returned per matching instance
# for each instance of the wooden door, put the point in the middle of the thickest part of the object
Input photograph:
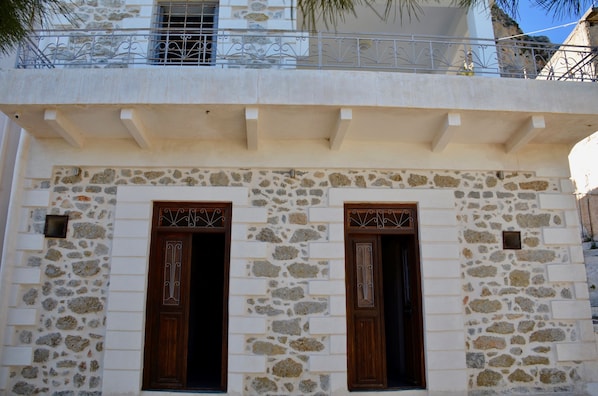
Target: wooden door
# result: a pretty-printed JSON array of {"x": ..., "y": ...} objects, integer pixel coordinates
[
  {"x": 366, "y": 349},
  {"x": 384, "y": 304},
  {"x": 187, "y": 298},
  {"x": 168, "y": 312}
]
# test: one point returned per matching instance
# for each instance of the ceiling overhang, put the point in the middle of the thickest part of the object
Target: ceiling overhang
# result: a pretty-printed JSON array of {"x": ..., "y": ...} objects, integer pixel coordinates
[{"x": 252, "y": 106}]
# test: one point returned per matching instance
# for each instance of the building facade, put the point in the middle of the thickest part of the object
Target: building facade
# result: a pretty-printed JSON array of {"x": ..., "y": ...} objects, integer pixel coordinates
[{"x": 268, "y": 230}]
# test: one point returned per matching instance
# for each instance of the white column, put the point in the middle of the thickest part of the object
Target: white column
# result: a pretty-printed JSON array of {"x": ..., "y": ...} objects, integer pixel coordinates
[{"x": 479, "y": 22}]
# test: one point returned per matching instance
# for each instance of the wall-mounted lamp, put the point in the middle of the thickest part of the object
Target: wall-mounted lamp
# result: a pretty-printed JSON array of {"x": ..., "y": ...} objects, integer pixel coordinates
[
  {"x": 500, "y": 175},
  {"x": 56, "y": 226}
]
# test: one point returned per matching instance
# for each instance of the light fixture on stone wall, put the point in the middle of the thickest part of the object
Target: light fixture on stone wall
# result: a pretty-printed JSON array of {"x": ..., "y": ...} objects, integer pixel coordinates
[
  {"x": 56, "y": 226},
  {"x": 511, "y": 240}
]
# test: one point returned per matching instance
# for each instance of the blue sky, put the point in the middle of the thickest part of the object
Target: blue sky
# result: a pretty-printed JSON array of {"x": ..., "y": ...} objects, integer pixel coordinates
[{"x": 532, "y": 19}]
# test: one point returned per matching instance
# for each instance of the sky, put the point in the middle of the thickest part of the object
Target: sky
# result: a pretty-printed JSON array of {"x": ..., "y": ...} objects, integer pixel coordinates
[{"x": 532, "y": 19}]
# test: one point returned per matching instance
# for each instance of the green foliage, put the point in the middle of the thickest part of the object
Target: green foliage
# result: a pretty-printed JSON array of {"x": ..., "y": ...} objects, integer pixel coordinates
[
  {"x": 330, "y": 12},
  {"x": 19, "y": 17}
]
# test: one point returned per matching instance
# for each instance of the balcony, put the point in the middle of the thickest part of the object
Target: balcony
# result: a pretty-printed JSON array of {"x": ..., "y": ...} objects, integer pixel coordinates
[
  {"x": 301, "y": 50},
  {"x": 266, "y": 89}
]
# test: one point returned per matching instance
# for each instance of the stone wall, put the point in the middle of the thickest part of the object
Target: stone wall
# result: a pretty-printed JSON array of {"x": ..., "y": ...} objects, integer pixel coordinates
[{"x": 513, "y": 300}]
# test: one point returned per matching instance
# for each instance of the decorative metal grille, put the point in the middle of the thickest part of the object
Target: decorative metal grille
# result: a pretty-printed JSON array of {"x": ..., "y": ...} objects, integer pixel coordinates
[
  {"x": 186, "y": 38},
  {"x": 380, "y": 218},
  {"x": 364, "y": 275},
  {"x": 172, "y": 273},
  {"x": 192, "y": 217},
  {"x": 184, "y": 33}
]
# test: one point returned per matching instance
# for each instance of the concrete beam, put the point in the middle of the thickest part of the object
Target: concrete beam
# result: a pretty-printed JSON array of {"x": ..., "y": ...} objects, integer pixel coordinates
[
  {"x": 252, "y": 127},
  {"x": 345, "y": 116},
  {"x": 451, "y": 123},
  {"x": 64, "y": 127},
  {"x": 525, "y": 134},
  {"x": 130, "y": 119}
]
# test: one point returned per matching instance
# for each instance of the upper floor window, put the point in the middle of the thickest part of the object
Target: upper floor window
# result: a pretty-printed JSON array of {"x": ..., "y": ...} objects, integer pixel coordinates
[{"x": 185, "y": 33}]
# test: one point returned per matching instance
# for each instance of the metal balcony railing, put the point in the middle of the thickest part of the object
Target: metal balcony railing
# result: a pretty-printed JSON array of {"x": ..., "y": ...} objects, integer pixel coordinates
[{"x": 302, "y": 50}]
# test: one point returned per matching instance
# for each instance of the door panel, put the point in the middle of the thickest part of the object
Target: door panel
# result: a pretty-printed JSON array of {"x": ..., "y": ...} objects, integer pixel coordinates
[
  {"x": 366, "y": 352},
  {"x": 167, "y": 312}
]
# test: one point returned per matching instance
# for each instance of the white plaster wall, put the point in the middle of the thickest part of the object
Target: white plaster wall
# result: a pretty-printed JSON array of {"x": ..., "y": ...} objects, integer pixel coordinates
[{"x": 545, "y": 160}]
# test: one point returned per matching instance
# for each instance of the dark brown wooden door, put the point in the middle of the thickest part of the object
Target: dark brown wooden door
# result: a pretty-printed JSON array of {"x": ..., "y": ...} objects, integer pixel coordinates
[
  {"x": 187, "y": 298},
  {"x": 168, "y": 312},
  {"x": 367, "y": 368},
  {"x": 384, "y": 304}
]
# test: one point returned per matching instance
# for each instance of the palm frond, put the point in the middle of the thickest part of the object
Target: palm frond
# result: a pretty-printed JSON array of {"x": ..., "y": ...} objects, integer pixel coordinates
[{"x": 19, "y": 17}]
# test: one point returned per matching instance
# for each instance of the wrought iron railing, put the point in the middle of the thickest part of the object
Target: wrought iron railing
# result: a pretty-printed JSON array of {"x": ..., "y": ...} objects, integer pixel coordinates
[{"x": 301, "y": 50}]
